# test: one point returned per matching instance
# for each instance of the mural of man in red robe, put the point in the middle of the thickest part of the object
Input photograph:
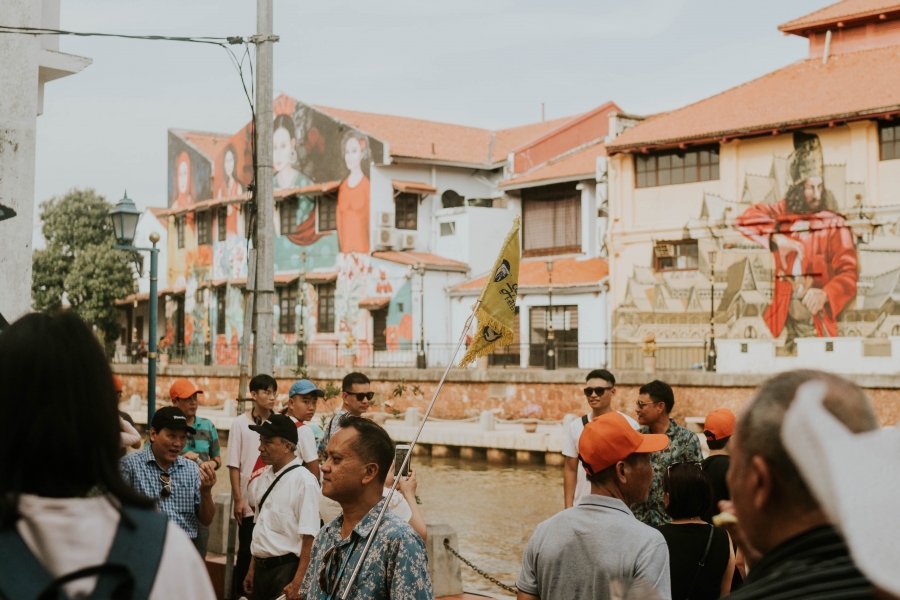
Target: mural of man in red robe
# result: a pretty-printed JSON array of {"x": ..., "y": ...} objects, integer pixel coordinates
[{"x": 815, "y": 259}]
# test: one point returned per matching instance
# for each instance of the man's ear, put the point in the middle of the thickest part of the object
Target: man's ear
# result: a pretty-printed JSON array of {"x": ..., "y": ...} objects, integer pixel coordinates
[
  {"x": 620, "y": 471},
  {"x": 370, "y": 473},
  {"x": 760, "y": 482}
]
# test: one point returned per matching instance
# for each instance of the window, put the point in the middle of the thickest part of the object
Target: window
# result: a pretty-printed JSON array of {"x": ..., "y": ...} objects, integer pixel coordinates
[
  {"x": 677, "y": 256},
  {"x": 450, "y": 199},
  {"x": 889, "y": 136},
  {"x": 287, "y": 302},
  {"x": 674, "y": 167},
  {"x": 565, "y": 335},
  {"x": 448, "y": 228},
  {"x": 328, "y": 213},
  {"x": 222, "y": 222},
  {"x": 179, "y": 230},
  {"x": 288, "y": 215},
  {"x": 406, "y": 211},
  {"x": 325, "y": 323},
  {"x": 552, "y": 219},
  {"x": 204, "y": 228},
  {"x": 379, "y": 330},
  {"x": 220, "y": 310}
]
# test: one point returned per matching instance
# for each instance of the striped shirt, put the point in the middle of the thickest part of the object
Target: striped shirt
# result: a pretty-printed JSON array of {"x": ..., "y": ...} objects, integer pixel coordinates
[
  {"x": 814, "y": 565},
  {"x": 141, "y": 471},
  {"x": 205, "y": 442}
]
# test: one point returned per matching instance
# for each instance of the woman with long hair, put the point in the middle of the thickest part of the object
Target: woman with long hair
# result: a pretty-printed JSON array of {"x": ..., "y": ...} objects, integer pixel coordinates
[
  {"x": 353, "y": 197},
  {"x": 231, "y": 187},
  {"x": 64, "y": 508},
  {"x": 284, "y": 155}
]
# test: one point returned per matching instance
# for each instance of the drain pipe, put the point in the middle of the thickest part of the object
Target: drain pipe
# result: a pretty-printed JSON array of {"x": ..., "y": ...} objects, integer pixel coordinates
[{"x": 827, "y": 46}]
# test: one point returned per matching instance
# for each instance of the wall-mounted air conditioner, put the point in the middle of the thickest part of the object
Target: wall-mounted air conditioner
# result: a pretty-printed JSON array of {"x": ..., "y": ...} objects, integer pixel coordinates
[
  {"x": 407, "y": 240},
  {"x": 385, "y": 237},
  {"x": 384, "y": 219}
]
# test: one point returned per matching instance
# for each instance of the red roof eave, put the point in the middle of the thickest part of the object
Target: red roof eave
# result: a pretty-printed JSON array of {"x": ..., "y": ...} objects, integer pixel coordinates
[{"x": 799, "y": 26}]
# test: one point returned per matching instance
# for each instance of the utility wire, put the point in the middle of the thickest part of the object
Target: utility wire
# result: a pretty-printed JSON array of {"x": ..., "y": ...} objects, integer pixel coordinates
[{"x": 217, "y": 41}]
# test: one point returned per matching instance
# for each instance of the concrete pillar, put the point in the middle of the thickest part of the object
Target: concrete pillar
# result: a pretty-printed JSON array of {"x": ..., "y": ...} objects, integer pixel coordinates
[
  {"x": 487, "y": 421},
  {"x": 470, "y": 453},
  {"x": 218, "y": 530},
  {"x": 526, "y": 457},
  {"x": 554, "y": 459},
  {"x": 446, "y": 575},
  {"x": 440, "y": 451},
  {"x": 498, "y": 456},
  {"x": 422, "y": 450},
  {"x": 412, "y": 418}
]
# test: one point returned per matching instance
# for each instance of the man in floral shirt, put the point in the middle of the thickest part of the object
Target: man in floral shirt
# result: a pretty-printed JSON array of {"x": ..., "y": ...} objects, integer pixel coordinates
[
  {"x": 655, "y": 402},
  {"x": 357, "y": 460}
]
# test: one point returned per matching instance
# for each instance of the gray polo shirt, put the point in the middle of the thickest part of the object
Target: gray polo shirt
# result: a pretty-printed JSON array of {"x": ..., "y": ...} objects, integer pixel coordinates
[{"x": 576, "y": 553}]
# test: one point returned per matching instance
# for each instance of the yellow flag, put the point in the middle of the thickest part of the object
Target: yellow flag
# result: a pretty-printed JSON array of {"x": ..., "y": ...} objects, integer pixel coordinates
[{"x": 497, "y": 302}]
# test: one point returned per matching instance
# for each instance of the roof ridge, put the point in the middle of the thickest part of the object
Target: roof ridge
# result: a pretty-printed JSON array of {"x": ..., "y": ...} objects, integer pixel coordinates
[
  {"x": 327, "y": 108},
  {"x": 799, "y": 21},
  {"x": 560, "y": 157},
  {"x": 179, "y": 130}
]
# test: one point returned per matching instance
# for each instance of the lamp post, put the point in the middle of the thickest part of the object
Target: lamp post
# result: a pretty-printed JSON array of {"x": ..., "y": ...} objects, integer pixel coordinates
[
  {"x": 551, "y": 338},
  {"x": 711, "y": 355},
  {"x": 134, "y": 340},
  {"x": 208, "y": 335},
  {"x": 301, "y": 330},
  {"x": 124, "y": 217},
  {"x": 421, "y": 360}
]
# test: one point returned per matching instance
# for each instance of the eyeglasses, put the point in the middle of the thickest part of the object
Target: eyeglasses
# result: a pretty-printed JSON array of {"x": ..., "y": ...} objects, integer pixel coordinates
[
  {"x": 166, "y": 491},
  {"x": 329, "y": 575},
  {"x": 361, "y": 395},
  {"x": 686, "y": 462},
  {"x": 589, "y": 391},
  {"x": 641, "y": 405}
]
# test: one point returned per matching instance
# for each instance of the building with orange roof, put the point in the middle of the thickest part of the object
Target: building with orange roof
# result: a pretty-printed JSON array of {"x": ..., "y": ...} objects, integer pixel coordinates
[{"x": 767, "y": 215}]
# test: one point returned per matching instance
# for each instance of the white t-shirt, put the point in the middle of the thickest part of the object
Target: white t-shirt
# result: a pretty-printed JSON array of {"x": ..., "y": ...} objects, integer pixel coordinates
[
  {"x": 243, "y": 450},
  {"x": 69, "y": 534},
  {"x": 290, "y": 512},
  {"x": 570, "y": 448},
  {"x": 307, "y": 449}
]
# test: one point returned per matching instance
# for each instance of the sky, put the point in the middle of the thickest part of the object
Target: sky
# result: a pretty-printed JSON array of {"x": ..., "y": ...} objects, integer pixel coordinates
[{"x": 483, "y": 63}]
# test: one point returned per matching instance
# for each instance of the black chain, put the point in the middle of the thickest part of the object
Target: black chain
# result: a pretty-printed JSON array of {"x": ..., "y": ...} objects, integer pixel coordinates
[{"x": 493, "y": 580}]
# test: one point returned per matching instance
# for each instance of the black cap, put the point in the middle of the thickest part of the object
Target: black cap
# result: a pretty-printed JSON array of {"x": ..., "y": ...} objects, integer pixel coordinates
[
  {"x": 171, "y": 417},
  {"x": 277, "y": 426}
]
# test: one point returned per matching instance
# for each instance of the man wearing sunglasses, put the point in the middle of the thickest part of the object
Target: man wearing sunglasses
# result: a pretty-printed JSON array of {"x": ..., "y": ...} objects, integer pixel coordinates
[
  {"x": 182, "y": 488},
  {"x": 600, "y": 391},
  {"x": 356, "y": 396}
]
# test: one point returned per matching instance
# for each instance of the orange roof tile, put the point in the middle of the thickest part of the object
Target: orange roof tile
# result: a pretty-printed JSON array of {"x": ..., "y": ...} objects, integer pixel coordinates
[
  {"x": 507, "y": 140},
  {"x": 374, "y": 303},
  {"x": 567, "y": 273},
  {"x": 308, "y": 190},
  {"x": 432, "y": 262},
  {"x": 129, "y": 300},
  {"x": 579, "y": 164},
  {"x": 320, "y": 277},
  {"x": 413, "y": 187},
  {"x": 802, "y": 94},
  {"x": 205, "y": 205},
  {"x": 841, "y": 11},
  {"x": 208, "y": 143}
]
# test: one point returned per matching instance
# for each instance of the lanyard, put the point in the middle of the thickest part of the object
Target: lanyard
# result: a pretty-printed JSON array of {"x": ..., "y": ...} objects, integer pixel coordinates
[{"x": 340, "y": 573}]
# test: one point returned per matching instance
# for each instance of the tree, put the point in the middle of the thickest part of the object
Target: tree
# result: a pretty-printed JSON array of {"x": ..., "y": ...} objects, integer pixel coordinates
[{"x": 79, "y": 262}]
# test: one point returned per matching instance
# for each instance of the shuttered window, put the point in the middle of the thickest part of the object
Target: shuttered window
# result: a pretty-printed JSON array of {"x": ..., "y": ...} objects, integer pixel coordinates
[{"x": 551, "y": 219}]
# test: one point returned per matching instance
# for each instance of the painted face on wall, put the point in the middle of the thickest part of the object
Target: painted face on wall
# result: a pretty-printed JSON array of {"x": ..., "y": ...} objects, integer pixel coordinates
[
  {"x": 182, "y": 177},
  {"x": 283, "y": 147},
  {"x": 353, "y": 154},
  {"x": 229, "y": 165},
  {"x": 812, "y": 190}
]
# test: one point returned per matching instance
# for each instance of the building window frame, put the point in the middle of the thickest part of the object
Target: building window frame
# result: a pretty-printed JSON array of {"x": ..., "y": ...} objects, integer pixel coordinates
[
  {"x": 179, "y": 230},
  {"x": 551, "y": 220},
  {"x": 325, "y": 305},
  {"x": 221, "y": 308},
  {"x": 676, "y": 255},
  {"x": 327, "y": 213},
  {"x": 889, "y": 140},
  {"x": 203, "y": 219},
  {"x": 287, "y": 215},
  {"x": 406, "y": 211},
  {"x": 674, "y": 167},
  {"x": 222, "y": 223},
  {"x": 287, "y": 303}
]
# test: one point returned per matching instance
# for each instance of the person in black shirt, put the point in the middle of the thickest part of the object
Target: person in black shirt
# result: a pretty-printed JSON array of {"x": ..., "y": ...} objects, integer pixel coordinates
[
  {"x": 790, "y": 548},
  {"x": 701, "y": 559}
]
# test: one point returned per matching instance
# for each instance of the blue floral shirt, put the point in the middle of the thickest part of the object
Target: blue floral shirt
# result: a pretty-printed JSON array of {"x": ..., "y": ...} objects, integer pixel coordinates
[{"x": 395, "y": 568}]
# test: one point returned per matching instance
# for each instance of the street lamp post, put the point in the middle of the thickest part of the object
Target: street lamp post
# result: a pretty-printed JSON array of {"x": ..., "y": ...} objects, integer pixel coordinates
[
  {"x": 301, "y": 329},
  {"x": 421, "y": 360},
  {"x": 711, "y": 355},
  {"x": 551, "y": 338},
  {"x": 134, "y": 340},
  {"x": 124, "y": 217}
]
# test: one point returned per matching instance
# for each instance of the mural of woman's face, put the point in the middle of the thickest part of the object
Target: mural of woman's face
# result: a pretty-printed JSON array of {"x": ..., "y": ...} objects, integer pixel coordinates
[
  {"x": 229, "y": 164},
  {"x": 353, "y": 154},
  {"x": 182, "y": 177},
  {"x": 283, "y": 147}
]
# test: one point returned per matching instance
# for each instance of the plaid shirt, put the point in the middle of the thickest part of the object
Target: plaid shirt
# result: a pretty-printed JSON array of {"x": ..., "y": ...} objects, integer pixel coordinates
[{"x": 142, "y": 472}]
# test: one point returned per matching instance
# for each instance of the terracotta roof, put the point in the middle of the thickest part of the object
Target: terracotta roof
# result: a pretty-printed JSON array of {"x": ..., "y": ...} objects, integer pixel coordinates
[
  {"x": 413, "y": 187},
  {"x": 841, "y": 11},
  {"x": 129, "y": 300},
  {"x": 802, "y": 94},
  {"x": 208, "y": 143},
  {"x": 581, "y": 164},
  {"x": 507, "y": 140},
  {"x": 285, "y": 278},
  {"x": 205, "y": 205},
  {"x": 374, "y": 303},
  {"x": 171, "y": 290},
  {"x": 315, "y": 277},
  {"x": 308, "y": 190},
  {"x": 160, "y": 213},
  {"x": 567, "y": 273},
  {"x": 432, "y": 262}
]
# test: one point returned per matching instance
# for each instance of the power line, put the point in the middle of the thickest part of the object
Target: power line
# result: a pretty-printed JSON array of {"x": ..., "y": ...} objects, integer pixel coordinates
[{"x": 217, "y": 41}]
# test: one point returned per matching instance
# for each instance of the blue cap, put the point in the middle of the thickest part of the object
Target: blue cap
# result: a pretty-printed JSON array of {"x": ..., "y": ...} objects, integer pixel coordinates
[{"x": 303, "y": 387}]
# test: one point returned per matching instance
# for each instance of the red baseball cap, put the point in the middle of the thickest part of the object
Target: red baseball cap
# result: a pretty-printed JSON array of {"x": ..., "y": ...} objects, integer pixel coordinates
[
  {"x": 719, "y": 424},
  {"x": 117, "y": 382},
  {"x": 182, "y": 388},
  {"x": 609, "y": 438}
]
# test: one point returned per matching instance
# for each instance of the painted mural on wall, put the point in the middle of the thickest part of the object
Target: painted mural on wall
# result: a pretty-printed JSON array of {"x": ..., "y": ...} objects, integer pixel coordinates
[{"x": 798, "y": 255}]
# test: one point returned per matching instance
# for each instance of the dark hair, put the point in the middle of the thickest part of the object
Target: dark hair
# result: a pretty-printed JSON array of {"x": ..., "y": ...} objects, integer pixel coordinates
[
  {"x": 602, "y": 374},
  {"x": 606, "y": 474},
  {"x": 351, "y": 379},
  {"x": 233, "y": 150},
  {"x": 263, "y": 381},
  {"x": 795, "y": 199},
  {"x": 59, "y": 418},
  {"x": 286, "y": 122},
  {"x": 659, "y": 391},
  {"x": 717, "y": 444},
  {"x": 373, "y": 444},
  {"x": 690, "y": 491}
]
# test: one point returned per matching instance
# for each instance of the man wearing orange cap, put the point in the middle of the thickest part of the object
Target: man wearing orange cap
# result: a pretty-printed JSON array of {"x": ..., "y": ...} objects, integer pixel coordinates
[
  {"x": 202, "y": 447},
  {"x": 718, "y": 428},
  {"x": 580, "y": 551}
]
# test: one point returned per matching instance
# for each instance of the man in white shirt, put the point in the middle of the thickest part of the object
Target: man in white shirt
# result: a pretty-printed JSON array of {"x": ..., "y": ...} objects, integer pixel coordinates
[
  {"x": 302, "y": 400},
  {"x": 600, "y": 392},
  {"x": 285, "y": 498}
]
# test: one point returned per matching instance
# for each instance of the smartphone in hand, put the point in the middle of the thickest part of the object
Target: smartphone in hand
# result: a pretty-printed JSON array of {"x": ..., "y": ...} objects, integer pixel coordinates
[{"x": 400, "y": 452}]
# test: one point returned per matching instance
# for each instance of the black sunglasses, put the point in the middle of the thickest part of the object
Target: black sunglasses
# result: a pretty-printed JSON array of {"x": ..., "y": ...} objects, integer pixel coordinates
[
  {"x": 361, "y": 395},
  {"x": 167, "y": 486},
  {"x": 588, "y": 391}
]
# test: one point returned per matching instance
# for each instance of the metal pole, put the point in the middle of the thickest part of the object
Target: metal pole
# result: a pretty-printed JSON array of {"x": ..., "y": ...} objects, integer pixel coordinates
[
  {"x": 551, "y": 336},
  {"x": 421, "y": 361},
  {"x": 412, "y": 446},
  {"x": 263, "y": 360},
  {"x": 711, "y": 357},
  {"x": 151, "y": 351},
  {"x": 301, "y": 326}
]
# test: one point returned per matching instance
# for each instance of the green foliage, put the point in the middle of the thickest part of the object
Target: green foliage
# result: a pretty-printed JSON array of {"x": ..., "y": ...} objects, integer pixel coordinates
[
  {"x": 79, "y": 261},
  {"x": 331, "y": 390}
]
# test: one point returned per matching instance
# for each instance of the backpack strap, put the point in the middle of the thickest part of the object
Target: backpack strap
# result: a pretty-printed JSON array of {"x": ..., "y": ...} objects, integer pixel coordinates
[
  {"x": 137, "y": 548},
  {"x": 702, "y": 563},
  {"x": 22, "y": 577},
  {"x": 277, "y": 479},
  {"x": 585, "y": 420}
]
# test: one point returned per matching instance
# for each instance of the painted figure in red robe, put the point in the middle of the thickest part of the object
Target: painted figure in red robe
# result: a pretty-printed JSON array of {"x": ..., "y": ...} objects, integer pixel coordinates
[{"x": 353, "y": 197}]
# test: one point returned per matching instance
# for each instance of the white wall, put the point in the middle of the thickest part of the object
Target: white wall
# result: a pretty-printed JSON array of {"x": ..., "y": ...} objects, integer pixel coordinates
[
  {"x": 846, "y": 356},
  {"x": 147, "y": 224}
]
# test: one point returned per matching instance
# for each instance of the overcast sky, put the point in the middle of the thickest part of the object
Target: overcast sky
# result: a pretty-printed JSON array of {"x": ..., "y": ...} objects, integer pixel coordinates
[{"x": 485, "y": 63}]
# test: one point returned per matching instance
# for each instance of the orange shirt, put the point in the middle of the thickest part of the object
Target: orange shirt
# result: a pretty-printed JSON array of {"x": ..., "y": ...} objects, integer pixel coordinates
[{"x": 353, "y": 217}]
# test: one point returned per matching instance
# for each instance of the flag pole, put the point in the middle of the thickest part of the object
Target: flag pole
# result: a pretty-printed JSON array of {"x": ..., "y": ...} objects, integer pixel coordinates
[{"x": 412, "y": 445}]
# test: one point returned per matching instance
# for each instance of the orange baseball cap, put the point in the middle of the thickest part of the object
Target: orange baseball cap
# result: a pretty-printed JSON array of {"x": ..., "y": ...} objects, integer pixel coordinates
[
  {"x": 117, "y": 382},
  {"x": 182, "y": 388},
  {"x": 719, "y": 424},
  {"x": 609, "y": 438}
]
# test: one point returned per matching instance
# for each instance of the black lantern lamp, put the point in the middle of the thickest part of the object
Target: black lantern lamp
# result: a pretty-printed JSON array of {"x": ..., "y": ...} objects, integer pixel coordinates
[{"x": 124, "y": 217}]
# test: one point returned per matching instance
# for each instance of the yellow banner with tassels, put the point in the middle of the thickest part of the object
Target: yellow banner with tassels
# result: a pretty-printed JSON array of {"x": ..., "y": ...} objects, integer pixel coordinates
[{"x": 497, "y": 302}]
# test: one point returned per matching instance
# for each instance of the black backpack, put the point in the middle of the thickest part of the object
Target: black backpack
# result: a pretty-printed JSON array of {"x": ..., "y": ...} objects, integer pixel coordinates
[{"x": 128, "y": 573}]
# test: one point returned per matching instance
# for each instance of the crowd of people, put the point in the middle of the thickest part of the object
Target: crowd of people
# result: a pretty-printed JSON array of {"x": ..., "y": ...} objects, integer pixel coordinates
[{"x": 770, "y": 512}]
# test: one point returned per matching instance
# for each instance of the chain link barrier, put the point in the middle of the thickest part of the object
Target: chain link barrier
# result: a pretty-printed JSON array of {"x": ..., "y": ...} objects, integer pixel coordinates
[{"x": 490, "y": 578}]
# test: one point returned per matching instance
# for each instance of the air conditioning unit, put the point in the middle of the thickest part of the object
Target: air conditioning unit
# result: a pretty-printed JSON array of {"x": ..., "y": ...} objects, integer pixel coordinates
[
  {"x": 385, "y": 219},
  {"x": 385, "y": 237},
  {"x": 408, "y": 241},
  {"x": 664, "y": 250}
]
